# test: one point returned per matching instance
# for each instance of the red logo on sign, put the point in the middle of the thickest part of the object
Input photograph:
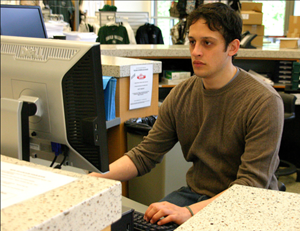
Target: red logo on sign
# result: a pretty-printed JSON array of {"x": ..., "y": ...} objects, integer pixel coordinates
[{"x": 141, "y": 76}]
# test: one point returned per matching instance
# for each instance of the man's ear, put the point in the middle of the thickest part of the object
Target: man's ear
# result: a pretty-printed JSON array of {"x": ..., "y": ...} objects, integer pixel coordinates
[{"x": 233, "y": 47}]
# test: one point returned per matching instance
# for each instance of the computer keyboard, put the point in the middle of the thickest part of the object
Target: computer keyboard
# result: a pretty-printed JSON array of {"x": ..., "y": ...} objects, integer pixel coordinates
[{"x": 140, "y": 224}]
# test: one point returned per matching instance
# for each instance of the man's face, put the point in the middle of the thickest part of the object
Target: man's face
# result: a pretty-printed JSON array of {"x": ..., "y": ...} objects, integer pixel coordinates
[{"x": 207, "y": 49}]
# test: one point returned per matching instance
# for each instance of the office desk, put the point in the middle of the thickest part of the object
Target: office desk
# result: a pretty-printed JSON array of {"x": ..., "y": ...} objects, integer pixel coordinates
[
  {"x": 246, "y": 208},
  {"x": 88, "y": 203},
  {"x": 264, "y": 60},
  {"x": 243, "y": 208},
  {"x": 119, "y": 68},
  {"x": 144, "y": 51}
]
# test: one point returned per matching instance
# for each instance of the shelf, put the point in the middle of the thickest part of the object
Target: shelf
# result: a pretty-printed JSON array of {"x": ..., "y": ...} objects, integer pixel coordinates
[
  {"x": 166, "y": 85},
  {"x": 279, "y": 86},
  {"x": 113, "y": 123}
]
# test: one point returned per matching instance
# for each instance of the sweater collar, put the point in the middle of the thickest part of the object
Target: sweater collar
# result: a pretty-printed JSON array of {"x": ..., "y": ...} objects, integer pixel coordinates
[{"x": 224, "y": 88}]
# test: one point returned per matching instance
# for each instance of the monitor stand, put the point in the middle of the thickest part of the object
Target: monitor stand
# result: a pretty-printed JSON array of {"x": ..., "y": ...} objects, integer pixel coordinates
[{"x": 15, "y": 128}]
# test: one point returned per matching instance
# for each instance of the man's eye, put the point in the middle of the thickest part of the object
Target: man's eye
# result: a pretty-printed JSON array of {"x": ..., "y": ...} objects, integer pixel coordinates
[
  {"x": 207, "y": 43},
  {"x": 192, "y": 42}
]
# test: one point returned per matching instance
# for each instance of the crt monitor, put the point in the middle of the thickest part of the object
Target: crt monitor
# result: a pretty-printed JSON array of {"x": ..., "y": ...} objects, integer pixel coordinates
[
  {"x": 64, "y": 80},
  {"x": 24, "y": 21}
]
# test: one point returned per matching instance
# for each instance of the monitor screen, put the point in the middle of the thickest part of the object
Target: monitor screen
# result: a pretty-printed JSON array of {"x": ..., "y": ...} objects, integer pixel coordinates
[
  {"x": 64, "y": 79},
  {"x": 24, "y": 21}
]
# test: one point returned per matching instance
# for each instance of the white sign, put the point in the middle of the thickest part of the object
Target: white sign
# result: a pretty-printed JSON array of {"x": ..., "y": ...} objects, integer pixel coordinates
[
  {"x": 141, "y": 80},
  {"x": 19, "y": 183}
]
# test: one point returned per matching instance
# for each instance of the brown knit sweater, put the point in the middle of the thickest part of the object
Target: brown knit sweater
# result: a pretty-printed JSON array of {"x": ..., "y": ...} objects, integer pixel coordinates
[{"x": 232, "y": 135}]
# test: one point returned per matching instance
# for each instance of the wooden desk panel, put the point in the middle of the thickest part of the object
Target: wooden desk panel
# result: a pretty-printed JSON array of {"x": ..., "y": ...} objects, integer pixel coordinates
[{"x": 117, "y": 136}]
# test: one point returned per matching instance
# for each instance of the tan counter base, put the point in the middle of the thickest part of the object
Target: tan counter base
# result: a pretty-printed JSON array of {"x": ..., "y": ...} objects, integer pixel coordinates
[{"x": 117, "y": 141}]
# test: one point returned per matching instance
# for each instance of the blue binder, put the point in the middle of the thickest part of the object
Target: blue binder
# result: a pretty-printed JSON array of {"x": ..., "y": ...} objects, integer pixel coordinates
[{"x": 109, "y": 87}]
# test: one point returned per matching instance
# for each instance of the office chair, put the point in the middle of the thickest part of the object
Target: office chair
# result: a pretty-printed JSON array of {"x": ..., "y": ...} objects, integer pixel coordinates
[{"x": 286, "y": 168}]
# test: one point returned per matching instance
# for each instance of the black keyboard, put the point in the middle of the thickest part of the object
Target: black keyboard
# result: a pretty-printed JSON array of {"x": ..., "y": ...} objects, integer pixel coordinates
[{"x": 140, "y": 224}]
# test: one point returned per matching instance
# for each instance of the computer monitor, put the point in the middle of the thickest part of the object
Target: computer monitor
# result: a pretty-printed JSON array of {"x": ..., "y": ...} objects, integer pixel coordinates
[
  {"x": 64, "y": 80},
  {"x": 24, "y": 21}
]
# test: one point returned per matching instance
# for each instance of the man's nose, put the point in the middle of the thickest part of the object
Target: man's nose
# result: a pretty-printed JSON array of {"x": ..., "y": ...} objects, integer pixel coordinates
[{"x": 197, "y": 50}]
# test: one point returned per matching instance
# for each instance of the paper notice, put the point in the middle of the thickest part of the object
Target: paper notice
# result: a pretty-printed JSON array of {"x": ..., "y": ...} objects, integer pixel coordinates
[
  {"x": 19, "y": 183},
  {"x": 141, "y": 80}
]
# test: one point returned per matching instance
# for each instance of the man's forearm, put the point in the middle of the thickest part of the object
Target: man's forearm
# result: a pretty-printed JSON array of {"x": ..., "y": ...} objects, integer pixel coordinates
[
  {"x": 122, "y": 169},
  {"x": 200, "y": 205}
]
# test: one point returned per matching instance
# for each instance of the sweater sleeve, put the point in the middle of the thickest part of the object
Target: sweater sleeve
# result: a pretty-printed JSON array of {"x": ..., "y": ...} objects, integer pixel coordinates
[{"x": 262, "y": 142}]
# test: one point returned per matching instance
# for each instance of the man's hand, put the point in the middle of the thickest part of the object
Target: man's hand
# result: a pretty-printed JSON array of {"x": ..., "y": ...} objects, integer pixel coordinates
[{"x": 165, "y": 212}]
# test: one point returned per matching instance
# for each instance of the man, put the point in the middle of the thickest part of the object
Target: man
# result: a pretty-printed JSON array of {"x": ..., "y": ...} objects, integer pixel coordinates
[{"x": 228, "y": 123}]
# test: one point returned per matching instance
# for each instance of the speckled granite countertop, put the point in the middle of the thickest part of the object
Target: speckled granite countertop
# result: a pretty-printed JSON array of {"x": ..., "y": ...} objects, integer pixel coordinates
[
  {"x": 157, "y": 51},
  {"x": 120, "y": 67},
  {"x": 246, "y": 208},
  {"x": 88, "y": 203},
  {"x": 115, "y": 61}
]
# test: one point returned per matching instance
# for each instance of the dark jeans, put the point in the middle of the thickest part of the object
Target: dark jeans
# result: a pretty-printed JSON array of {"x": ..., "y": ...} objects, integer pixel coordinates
[{"x": 184, "y": 197}]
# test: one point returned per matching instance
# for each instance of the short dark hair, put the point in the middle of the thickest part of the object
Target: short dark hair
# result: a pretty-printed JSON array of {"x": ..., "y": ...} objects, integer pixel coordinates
[{"x": 219, "y": 17}]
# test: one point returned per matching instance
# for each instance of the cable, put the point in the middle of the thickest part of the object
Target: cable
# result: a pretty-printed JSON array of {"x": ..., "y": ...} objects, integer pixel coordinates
[
  {"x": 53, "y": 161},
  {"x": 59, "y": 149},
  {"x": 56, "y": 148},
  {"x": 59, "y": 165},
  {"x": 65, "y": 152}
]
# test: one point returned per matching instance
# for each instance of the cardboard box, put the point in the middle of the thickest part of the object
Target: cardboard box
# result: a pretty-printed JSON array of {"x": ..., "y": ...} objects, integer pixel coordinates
[
  {"x": 251, "y": 6},
  {"x": 293, "y": 35},
  {"x": 29, "y": 3},
  {"x": 294, "y": 24},
  {"x": 258, "y": 41},
  {"x": 289, "y": 43},
  {"x": 171, "y": 81},
  {"x": 254, "y": 29},
  {"x": 175, "y": 75},
  {"x": 251, "y": 17}
]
